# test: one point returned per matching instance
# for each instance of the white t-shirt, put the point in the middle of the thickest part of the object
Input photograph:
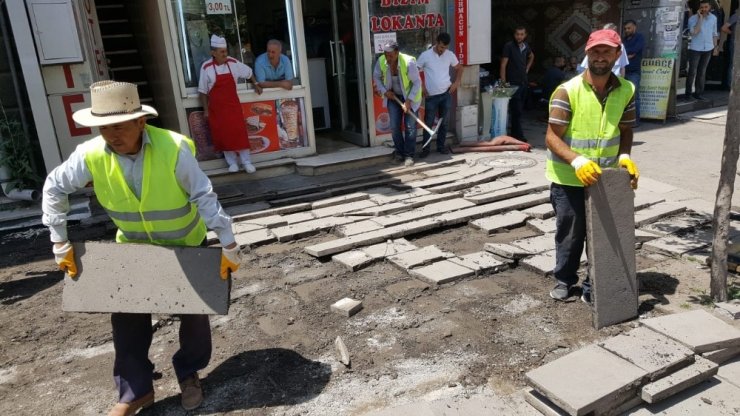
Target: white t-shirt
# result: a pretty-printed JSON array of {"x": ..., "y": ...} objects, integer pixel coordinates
[
  {"x": 436, "y": 70},
  {"x": 209, "y": 69},
  {"x": 622, "y": 62}
]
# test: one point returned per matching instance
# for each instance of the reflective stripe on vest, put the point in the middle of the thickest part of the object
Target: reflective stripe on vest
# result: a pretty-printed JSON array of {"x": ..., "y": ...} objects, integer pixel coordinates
[
  {"x": 163, "y": 214},
  {"x": 593, "y": 131},
  {"x": 404, "y": 72}
]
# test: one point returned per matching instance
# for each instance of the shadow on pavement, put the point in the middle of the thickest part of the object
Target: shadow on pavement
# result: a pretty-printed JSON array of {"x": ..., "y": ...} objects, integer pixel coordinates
[
  {"x": 658, "y": 285},
  {"x": 17, "y": 290}
]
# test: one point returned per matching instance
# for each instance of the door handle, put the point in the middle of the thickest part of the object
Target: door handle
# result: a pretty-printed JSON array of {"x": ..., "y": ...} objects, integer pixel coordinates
[
  {"x": 333, "y": 62},
  {"x": 343, "y": 70}
]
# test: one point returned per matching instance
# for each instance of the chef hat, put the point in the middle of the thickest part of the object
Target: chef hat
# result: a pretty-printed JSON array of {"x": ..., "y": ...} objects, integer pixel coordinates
[{"x": 218, "y": 42}]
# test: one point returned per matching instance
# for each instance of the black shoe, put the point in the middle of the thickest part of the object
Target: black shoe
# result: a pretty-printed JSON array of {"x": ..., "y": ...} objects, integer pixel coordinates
[
  {"x": 397, "y": 157},
  {"x": 424, "y": 153},
  {"x": 686, "y": 97},
  {"x": 700, "y": 97},
  {"x": 443, "y": 151},
  {"x": 586, "y": 298}
]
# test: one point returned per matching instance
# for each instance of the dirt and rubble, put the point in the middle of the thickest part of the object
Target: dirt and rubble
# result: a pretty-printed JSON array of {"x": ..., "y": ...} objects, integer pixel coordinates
[{"x": 274, "y": 353}]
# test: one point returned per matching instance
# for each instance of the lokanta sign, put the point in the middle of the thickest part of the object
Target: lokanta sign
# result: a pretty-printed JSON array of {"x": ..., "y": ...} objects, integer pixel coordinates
[
  {"x": 655, "y": 87},
  {"x": 399, "y": 22}
]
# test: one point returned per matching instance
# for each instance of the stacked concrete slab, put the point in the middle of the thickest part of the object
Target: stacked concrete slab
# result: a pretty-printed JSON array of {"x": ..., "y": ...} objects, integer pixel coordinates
[{"x": 642, "y": 367}]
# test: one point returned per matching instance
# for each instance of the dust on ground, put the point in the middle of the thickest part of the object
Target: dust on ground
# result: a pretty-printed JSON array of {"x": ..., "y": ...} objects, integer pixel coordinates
[{"x": 274, "y": 353}]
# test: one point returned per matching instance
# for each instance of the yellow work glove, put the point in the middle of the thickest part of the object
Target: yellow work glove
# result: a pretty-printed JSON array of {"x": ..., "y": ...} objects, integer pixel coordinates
[
  {"x": 587, "y": 171},
  {"x": 230, "y": 260},
  {"x": 627, "y": 163},
  {"x": 65, "y": 258}
]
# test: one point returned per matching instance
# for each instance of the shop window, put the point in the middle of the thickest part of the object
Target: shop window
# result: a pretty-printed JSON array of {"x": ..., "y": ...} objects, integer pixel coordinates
[
  {"x": 246, "y": 26},
  {"x": 414, "y": 24}
]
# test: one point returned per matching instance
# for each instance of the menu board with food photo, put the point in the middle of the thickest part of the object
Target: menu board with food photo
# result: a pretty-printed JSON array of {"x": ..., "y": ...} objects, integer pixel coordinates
[{"x": 201, "y": 135}]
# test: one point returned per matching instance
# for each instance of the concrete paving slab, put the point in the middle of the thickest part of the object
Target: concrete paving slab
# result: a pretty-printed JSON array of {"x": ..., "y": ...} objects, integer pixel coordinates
[
  {"x": 651, "y": 351},
  {"x": 244, "y": 227},
  {"x": 308, "y": 228},
  {"x": 353, "y": 259},
  {"x": 537, "y": 244},
  {"x": 500, "y": 222},
  {"x": 299, "y": 217},
  {"x": 656, "y": 212},
  {"x": 730, "y": 372},
  {"x": 542, "y": 211},
  {"x": 700, "y": 256},
  {"x": 442, "y": 272},
  {"x": 435, "y": 181},
  {"x": 395, "y": 195},
  {"x": 713, "y": 397},
  {"x": 384, "y": 209},
  {"x": 675, "y": 246},
  {"x": 271, "y": 221},
  {"x": 473, "y": 213},
  {"x": 507, "y": 193},
  {"x": 444, "y": 171},
  {"x": 642, "y": 236},
  {"x": 255, "y": 238},
  {"x": 657, "y": 187},
  {"x": 288, "y": 209},
  {"x": 414, "y": 258},
  {"x": 730, "y": 308},
  {"x": 420, "y": 201},
  {"x": 480, "y": 262},
  {"x": 339, "y": 200},
  {"x": 677, "y": 224},
  {"x": 495, "y": 186},
  {"x": 347, "y": 243},
  {"x": 507, "y": 250},
  {"x": 702, "y": 369},
  {"x": 723, "y": 355},
  {"x": 588, "y": 380},
  {"x": 389, "y": 248},
  {"x": 644, "y": 199},
  {"x": 336, "y": 210},
  {"x": 544, "y": 226},
  {"x": 699, "y": 330},
  {"x": 414, "y": 227},
  {"x": 425, "y": 211},
  {"x": 542, "y": 263},
  {"x": 355, "y": 228},
  {"x": 610, "y": 236},
  {"x": 186, "y": 280},
  {"x": 471, "y": 181},
  {"x": 346, "y": 306}
]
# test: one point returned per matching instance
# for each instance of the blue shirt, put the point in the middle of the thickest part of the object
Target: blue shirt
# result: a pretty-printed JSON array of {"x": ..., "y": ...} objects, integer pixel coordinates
[
  {"x": 264, "y": 71},
  {"x": 634, "y": 45},
  {"x": 704, "y": 40}
]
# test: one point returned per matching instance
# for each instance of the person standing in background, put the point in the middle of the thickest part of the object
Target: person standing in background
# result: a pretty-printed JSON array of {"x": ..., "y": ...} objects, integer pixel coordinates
[
  {"x": 221, "y": 106},
  {"x": 704, "y": 43},
  {"x": 516, "y": 61},
  {"x": 633, "y": 43}
]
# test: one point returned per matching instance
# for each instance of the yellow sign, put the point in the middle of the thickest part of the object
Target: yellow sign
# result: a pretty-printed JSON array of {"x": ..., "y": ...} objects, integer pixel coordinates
[{"x": 655, "y": 87}]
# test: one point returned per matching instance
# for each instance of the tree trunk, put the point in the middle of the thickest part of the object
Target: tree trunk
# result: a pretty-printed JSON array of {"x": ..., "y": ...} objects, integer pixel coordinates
[{"x": 723, "y": 204}]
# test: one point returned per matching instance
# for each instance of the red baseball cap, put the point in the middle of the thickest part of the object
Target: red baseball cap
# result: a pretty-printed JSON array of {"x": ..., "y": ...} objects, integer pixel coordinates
[{"x": 606, "y": 37}]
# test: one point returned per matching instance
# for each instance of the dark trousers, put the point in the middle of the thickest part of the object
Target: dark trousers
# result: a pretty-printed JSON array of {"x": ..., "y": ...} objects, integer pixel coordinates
[
  {"x": 634, "y": 77},
  {"x": 404, "y": 139},
  {"x": 698, "y": 62},
  {"x": 569, "y": 204},
  {"x": 437, "y": 105},
  {"x": 132, "y": 337},
  {"x": 516, "y": 109}
]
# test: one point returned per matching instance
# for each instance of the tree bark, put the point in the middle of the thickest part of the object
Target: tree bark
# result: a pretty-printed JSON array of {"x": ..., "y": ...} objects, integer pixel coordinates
[{"x": 723, "y": 204}]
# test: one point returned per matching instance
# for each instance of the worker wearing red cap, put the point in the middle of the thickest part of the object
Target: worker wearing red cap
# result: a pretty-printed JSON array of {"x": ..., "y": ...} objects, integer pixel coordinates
[{"x": 589, "y": 128}]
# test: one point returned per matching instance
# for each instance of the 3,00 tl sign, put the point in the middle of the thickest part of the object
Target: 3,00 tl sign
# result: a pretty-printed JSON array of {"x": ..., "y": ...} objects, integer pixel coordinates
[{"x": 218, "y": 7}]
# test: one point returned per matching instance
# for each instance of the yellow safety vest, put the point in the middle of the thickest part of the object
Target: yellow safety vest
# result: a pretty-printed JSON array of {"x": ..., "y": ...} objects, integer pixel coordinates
[
  {"x": 403, "y": 60},
  {"x": 164, "y": 215},
  {"x": 593, "y": 131}
]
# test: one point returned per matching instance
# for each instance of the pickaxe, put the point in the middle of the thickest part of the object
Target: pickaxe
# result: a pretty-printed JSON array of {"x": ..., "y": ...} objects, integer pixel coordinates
[{"x": 431, "y": 132}]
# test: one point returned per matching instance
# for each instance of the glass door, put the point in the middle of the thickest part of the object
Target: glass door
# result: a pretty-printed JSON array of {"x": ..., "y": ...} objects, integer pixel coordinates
[{"x": 347, "y": 70}]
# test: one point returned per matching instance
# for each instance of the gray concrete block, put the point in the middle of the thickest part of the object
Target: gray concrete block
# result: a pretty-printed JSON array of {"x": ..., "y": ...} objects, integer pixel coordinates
[
  {"x": 698, "y": 330},
  {"x": 610, "y": 236},
  {"x": 675, "y": 246},
  {"x": 499, "y": 222},
  {"x": 414, "y": 227},
  {"x": 730, "y": 308},
  {"x": 542, "y": 263},
  {"x": 588, "y": 380},
  {"x": 656, "y": 212},
  {"x": 388, "y": 248},
  {"x": 145, "y": 278},
  {"x": 542, "y": 211},
  {"x": 442, "y": 272},
  {"x": 347, "y": 243},
  {"x": 255, "y": 238},
  {"x": 355, "y": 228},
  {"x": 414, "y": 258},
  {"x": 507, "y": 193},
  {"x": 713, "y": 397},
  {"x": 339, "y": 200},
  {"x": 538, "y": 244},
  {"x": 471, "y": 181},
  {"x": 346, "y": 306},
  {"x": 544, "y": 226},
  {"x": 353, "y": 259},
  {"x": 651, "y": 351},
  {"x": 681, "y": 380},
  {"x": 480, "y": 262},
  {"x": 542, "y": 403},
  {"x": 309, "y": 228},
  {"x": 507, "y": 251},
  {"x": 723, "y": 355}
]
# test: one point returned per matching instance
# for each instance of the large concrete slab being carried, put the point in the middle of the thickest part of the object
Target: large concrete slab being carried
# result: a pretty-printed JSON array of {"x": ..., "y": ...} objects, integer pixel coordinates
[
  {"x": 144, "y": 278},
  {"x": 610, "y": 237},
  {"x": 698, "y": 330}
]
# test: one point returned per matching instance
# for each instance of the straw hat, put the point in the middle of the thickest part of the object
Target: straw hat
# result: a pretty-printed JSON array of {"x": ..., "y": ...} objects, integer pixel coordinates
[{"x": 112, "y": 102}]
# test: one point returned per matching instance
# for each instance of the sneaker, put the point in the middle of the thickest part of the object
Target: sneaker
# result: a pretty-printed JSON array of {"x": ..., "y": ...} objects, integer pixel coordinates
[
  {"x": 397, "y": 157},
  {"x": 408, "y": 162},
  {"x": 249, "y": 168},
  {"x": 443, "y": 151},
  {"x": 234, "y": 168},
  {"x": 424, "y": 153},
  {"x": 561, "y": 291},
  {"x": 192, "y": 393},
  {"x": 586, "y": 298},
  {"x": 126, "y": 409}
]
